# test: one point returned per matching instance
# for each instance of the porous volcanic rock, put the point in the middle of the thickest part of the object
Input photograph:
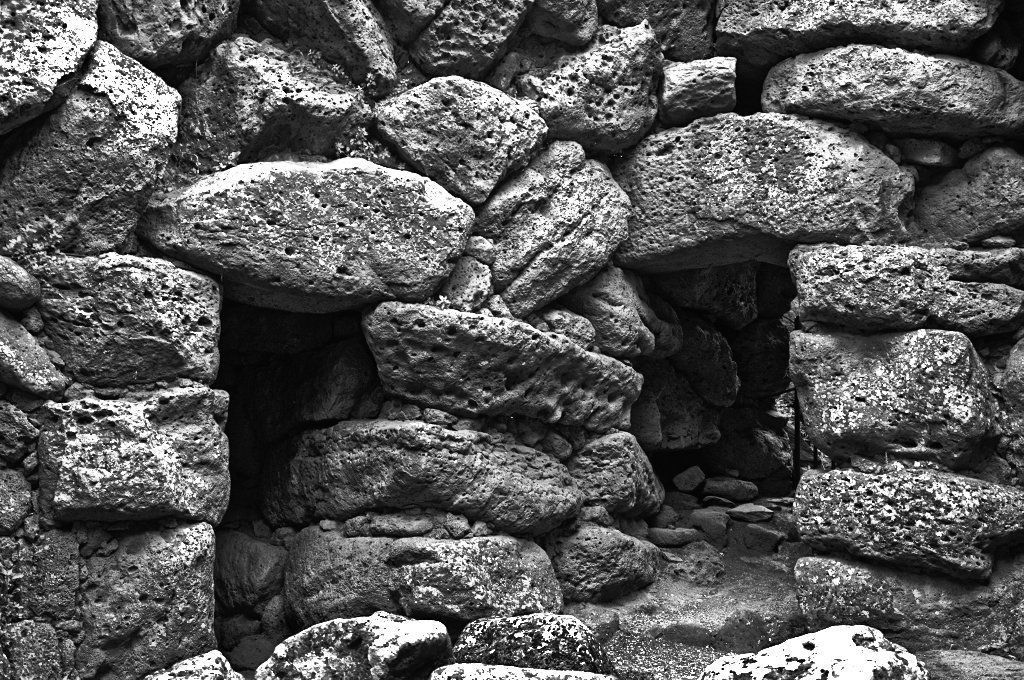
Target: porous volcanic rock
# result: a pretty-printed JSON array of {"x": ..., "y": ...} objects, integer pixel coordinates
[
  {"x": 209, "y": 666},
  {"x": 24, "y": 364},
  {"x": 961, "y": 664},
  {"x": 554, "y": 226},
  {"x": 669, "y": 415},
  {"x": 466, "y": 38},
  {"x": 545, "y": 641},
  {"x": 157, "y": 454},
  {"x": 701, "y": 198},
  {"x": 82, "y": 180},
  {"x": 314, "y": 237},
  {"x": 465, "y": 135},
  {"x": 683, "y": 27},
  {"x": 343, "y": 471},
  {"x": 42, "y": 46},
  {"x": 697, "y": 89},
  {"x": 898, "y": 91},
  {"x": 596, "y": 563},
  {"x": 925, "y": 519},
  {"x": 479, "y": 671},
  {"x": 573, "y": 22},
  {"x": 248, "y": 571},
  {"x": 18, "y": 288},
  {"x": 15, "y": 500},
  {"x": 726, "y": 294},
  {"x": 472, "y": 364},
  {"x": 974, "y": 292},
  {"x": 614, "y": 472}
]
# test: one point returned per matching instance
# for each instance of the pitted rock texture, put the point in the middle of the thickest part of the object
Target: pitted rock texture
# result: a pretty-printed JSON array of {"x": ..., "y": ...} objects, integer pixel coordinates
[
  {"x": 919, "y": 395},
  {"x": 472, "y": 364},
  {"x": 899, "y": 91},
  {"x": 158, "y": 454},
  {"x": 467, "y": 37},
  {"x": 700, "y": 197},
  {"x": 554, "y": 225},
  {"x": 248, "y": 572},
  {"x": 573, "y": 22},
  {"x": 669, "y": 415},
  {"x": 936, "y": 521},
  {"x": 314, "y": 236},
  {"x": 763, "y": 35},
  {"x": 355, "y": 466},
  {"x": 697, "y": 89},
  {"x": 479, "y": 671},
  {"x": 837, "y": 652},
  {"x": 614, "y": 472},
  {"x": 209, "y": 666},
  {"x": 42, "y": 46},
  {"x": 24, "y": 364},
  {"x": 596, "y": 563},
  {"x": 975, "y": 292},
  {"x": 79, "y": 183},
  {"x": 543, "y": 641},
  {"x": 121, "y": 319},
  {"x": 683, "y": 28},
  {"x": 465, "y": 135}
]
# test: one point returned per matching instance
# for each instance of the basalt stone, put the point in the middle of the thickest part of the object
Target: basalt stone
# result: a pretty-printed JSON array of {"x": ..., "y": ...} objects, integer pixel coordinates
[
  {"x": 573, "y": 22},
  {"x": 166, "y": 33},
  {"x": 469, "y": 286},
  {"x": 466, "y": 38},
  {"x": 465, "y": 135},
  {"x": 924, "y": 519},
  {"x": 479, "y": 671},
  {"x": 875, "y": 288},
  {"x": 669, "y": 415},
  {"x": 147, "y": 604},
  {"x": 899, "y": 91},
  {"x": 604, "y": 97},
  {"x": 960, "y": 664},
  {"x": 840, "y": 651},
  {"x": 122, "y": 319},
  {"x": 24, "y": 364},
  {"x": 155, "y": 454},
  {"x": 349, "y": 32},
  {"x": 727, "y": 294},
  {"x": 701, "y": 197},
  {"x": 248, "y": 571},
  {"x": 378, "y": 464},
  {"x": 697, "y": 89},
  {"x": 253, "y": 99},
  {"x": 15, "y": 500},
  {"x": 471, "y": 364},
  {"x": 614, "y": 472},
  {"x": 314, "y": 237},
  {"x": 596, "y": 563},
  {"x": 42, "y": 46},
  {"x": 554, "y": 226},
  {"x": 18, "y": 288},
  {"x": 38, "y": 650},
  {"x": 209, "y": 666},
  {"x": 683, "y": 27},
  {"x": 920, "y": 395},
  {"x": 41, "y": 580},
  {"x": 382, "y": 646},
  {"x": 984, "y": 198},
  {"x": 763, "y": 35},
  {"x": 82, "y": 180},
  {"x": 468, "y": 579},
  {"x": 408, "y": 18},
  {"x": 706, "y": 361},
  {"x": 544, "y": 641}
]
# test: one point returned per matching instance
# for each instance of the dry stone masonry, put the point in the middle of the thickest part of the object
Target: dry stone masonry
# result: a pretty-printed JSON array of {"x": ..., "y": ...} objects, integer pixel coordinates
[{"x": 517, "y": 340}]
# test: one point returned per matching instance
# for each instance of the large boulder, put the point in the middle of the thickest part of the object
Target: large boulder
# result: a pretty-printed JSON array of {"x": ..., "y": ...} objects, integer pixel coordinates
[
  {"x": 898, "y": 91},
  {"x": 554, "y": 226},
  {"x": 697, "y": 89},
  {"x": 15, "y": 500},
  {"x": 465, "y": 38},
  {"x": 465, "y": 135},
  {"x": 614, "y": 472},
  {"x": 314, "y": 237},
  {"x": 974, "y": 292},
  {"x": 596, "y": 563},
  {"x": 726, "y": 294},
  {"x": 921, "y": 519},
  {"x": 545, "y": 641},
  {"x": 82, "y": 180},
  {"x": 573, "y": 22},
  {"x": 701, "y": 197},
  {"x": 150, "y": 455},
  {"x": 42, "y": 46},
  {"x": 355, "y": 466},
  {"x": 879, "y": 395},
  {"x": 669, "y": 414},
  {"x": 472, "y": 364},
  {"x": 961, "y": 664},
  {"x": 837, "y": 652},
  {"x": 122, "y": 319}
]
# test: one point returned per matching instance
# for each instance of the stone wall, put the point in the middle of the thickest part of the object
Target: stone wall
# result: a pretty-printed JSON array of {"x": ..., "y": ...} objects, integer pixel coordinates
[{"x": 456, "y": 310}]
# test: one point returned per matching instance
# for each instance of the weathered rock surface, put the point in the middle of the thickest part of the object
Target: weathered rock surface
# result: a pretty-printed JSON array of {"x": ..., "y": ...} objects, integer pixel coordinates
[
  {"x": 726, "y": 294},
  {"x": 316, "y": 237},
  {"x": 466, "y": 39},
  {"x": 18, "y": 288},
  {"x": 42, "y": 46},
  {"x": 920, "y": 395},
  {"x": 898, "y": 91},
  {"x": 382, "y": 646},
  {"x": 683, "y": 29},
  {"x": 601, "y": 563},
  {"x": 763, "y": 35},
  {"x": 355, "y": 466},
  {"x": 837, "y": 652},
  {"x": 696, "y": 89},
  {"x": 122, "y": 319},
  {"x": 573, "y": 22},
  {"x": 701, "y": 198},
  {"x": 349, "y": 32},
  {"x": 81, "y": 181},
  {"x": 248, "y": 571},
  {"x": 925, "y": 519},
  {"x": 209, "y": 666},
  {"x": 252, "y": 99},
  {"x": 761, "y": 353},
  {"x": 15, "y": 500},
  {"x": 24, "y": 364},
  {"x": 669, "y": 415},
  {"x": 959, "y": 664},
  {"x": 166, "y": 33},
  {"x": 554, "y": 226},
  {"x": 614, "y": 472},
  {"x": 148, "y": 603},
  {"x": 463, "y": 134},
  {"x": 873, "y": 288},
  {"x": 543, "y": 641},
  {"x": 156, "y": 454},
  {"x": 604, "y": 97},
  {"x": 479, "y": 671},
  {"x": 985, "y": 198},
  {"x": 472, "y": 364}
]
